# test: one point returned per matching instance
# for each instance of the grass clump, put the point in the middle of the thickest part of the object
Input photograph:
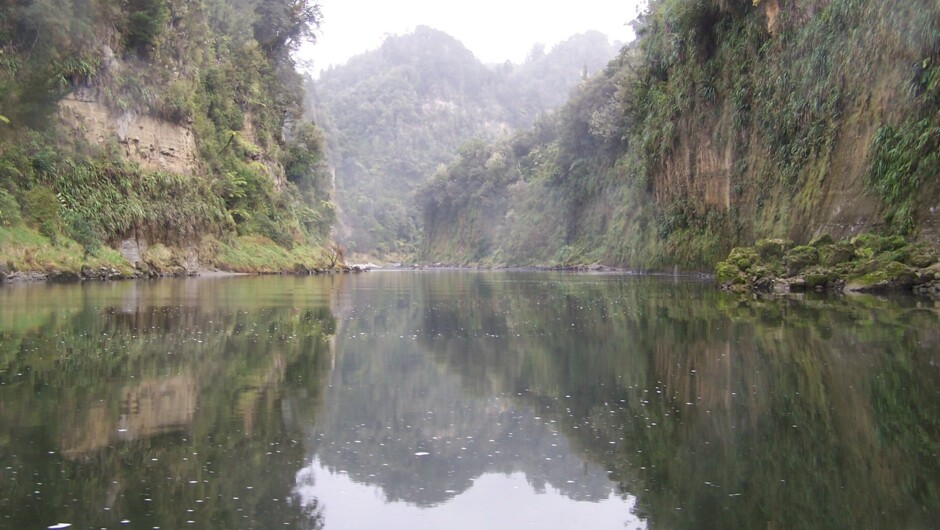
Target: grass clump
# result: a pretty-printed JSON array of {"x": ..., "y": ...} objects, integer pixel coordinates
[
  {"x": 258, "y": 254},
  {"x": 23, "y": 249}
]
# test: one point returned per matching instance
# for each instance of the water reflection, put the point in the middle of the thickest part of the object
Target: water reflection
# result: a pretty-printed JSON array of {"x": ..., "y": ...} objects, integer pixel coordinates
[
  {"x": 715, "y": 412},
  {"x": 465, "y": 400},
  {"x": 165, "y": 404}
]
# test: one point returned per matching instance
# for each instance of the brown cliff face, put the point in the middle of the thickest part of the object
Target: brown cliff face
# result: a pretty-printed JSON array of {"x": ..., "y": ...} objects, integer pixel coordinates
[
  {"x": 718, "y": 164},
  {"x": 154, "y": 407},
  {"x": 728, "y": 121},
  {"x": 153, "y": 143}
]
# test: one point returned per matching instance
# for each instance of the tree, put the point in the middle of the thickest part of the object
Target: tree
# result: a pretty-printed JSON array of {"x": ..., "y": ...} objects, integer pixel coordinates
[
  {"x": 282, "y": 25},
  {"x": 145, "y": 22}
]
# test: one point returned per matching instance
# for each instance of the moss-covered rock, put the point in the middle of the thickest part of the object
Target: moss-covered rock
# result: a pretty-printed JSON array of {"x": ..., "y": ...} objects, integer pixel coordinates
[
  {"x": 742, "y": 257},
  {"x": 921, "y": 255},
  {"x": 728, "y": 274},
  {"x": 866, "y": 263},
  {"x": 772, "y": 249},
  {"x": 799, "y": 258},
  {"x": 867, "y": 245},
  {"x": 819, "y": 276},
  {"x": 836, "y": 253},
  {"x": 891, "y": 277},
  {"x": 821, "y": 240}
]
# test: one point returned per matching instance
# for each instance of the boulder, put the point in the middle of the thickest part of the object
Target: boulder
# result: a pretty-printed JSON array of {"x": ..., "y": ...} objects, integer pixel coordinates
[
  {"x": 772, "y": 249},
  {"x": 728, "y": 275},
  {"x": 920, "y": 255},
  {"x": 892, "y": 277},
  {"x": 836, "y": 253},
  {"x": 742, "y": 257},
  {"x": 799, "y": 258},
  {"x": 821, "y": 240}
]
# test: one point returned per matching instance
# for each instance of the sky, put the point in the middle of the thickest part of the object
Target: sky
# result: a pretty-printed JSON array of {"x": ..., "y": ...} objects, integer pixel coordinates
[{"x": 494, "y": 30}]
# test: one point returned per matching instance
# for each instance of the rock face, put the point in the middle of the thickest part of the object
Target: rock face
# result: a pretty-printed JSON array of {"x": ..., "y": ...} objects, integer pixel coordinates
[
  {"x": 865, "y": 263},
  {"x": 155, "y": 144},
  {"x": 132, "y": 249}
]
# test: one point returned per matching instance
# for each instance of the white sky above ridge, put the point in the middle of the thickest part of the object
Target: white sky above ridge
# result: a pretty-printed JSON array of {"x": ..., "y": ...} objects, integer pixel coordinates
[{"x": 494, "y": 30}]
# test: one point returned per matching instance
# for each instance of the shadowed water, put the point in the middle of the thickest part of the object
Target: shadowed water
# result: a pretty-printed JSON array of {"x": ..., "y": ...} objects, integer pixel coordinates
[{"x": 464, "y": 400}]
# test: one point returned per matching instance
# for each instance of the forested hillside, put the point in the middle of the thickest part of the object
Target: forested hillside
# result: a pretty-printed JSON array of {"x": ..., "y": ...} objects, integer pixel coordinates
[
  {"x": 169, "y": 129},
  {"x": 727, "y": 121},
  {"x": 395, "y": 114}
]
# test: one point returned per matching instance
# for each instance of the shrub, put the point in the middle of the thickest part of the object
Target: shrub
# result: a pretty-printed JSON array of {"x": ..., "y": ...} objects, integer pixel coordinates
[
  {"x": 144, "y": 25},
  {"x": 42, "y": 207},
  {"x": 85, "y": 234},
  {"x": 9, "y": 210}
]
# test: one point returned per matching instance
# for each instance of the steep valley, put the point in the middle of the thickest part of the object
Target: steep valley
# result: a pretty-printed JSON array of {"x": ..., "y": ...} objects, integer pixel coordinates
[{"x": 724, "y": 123}]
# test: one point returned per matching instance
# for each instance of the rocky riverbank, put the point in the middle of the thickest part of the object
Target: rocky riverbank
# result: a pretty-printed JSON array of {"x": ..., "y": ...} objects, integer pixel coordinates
[
  {"x": 109, "y": 274},
  {"x": 864, "y": 263}
]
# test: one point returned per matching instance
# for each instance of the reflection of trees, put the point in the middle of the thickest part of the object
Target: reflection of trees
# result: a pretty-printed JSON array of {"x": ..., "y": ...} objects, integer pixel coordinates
[
  {"x": 388, "y": 402},
  {"x": 161, "y": 402},
  {"x": 791, "y": 414}
]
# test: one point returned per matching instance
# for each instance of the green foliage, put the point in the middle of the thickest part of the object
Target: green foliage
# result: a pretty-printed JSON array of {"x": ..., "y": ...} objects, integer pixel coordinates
[
  {"x": 83, "y": 232},
  {"x": 395, "y": 115},
  {"x": 145, "y": 21},
  {"x": 24, "y": 249},
  {"x": 42, "y": 209},
  {"x": 728, "y": 121},
  {"x": 9, "y": 209},
  {"x": 196, "y": 64},
  {"x": 283, "y": 25},
  {"x": 900, "y": 161}
]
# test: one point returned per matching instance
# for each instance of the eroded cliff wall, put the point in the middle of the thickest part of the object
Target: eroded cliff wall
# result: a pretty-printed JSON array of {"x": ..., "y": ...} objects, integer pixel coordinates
[{"x": 726, "y": 122}]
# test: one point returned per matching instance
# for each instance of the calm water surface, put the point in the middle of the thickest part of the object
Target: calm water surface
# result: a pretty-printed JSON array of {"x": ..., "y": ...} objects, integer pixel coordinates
[{"x": 464, "y": 400}]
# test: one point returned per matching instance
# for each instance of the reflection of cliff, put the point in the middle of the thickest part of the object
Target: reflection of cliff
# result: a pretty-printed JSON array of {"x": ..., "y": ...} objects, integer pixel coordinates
[
  {"x": 209, "y": 382},
  {"x": 397, "y": 420},
  {"x": 713, "y": 411},
  {"x": 150, "y": 408}
]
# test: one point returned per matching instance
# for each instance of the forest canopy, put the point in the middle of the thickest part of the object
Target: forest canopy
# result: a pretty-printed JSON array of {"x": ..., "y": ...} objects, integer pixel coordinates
[{"x": 222, "y": 71}]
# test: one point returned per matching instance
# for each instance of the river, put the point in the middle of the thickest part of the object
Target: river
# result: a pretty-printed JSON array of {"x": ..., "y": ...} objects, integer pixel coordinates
[{"x": 464, "y": 400}]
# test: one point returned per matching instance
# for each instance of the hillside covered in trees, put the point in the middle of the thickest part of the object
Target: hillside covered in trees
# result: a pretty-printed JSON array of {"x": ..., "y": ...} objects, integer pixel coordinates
[
  {"x": 727, "y": 121},
  {"x": 172, "y": 130},
  {"x": 393, "y": 115}
]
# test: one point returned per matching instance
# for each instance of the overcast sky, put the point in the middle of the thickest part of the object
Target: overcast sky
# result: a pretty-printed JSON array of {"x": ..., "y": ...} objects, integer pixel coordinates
[{"x": 494, "y": 30}]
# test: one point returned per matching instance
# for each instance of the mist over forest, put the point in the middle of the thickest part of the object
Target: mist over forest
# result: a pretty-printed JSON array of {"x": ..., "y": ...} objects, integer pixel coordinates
[{"x": 393, "y": 115}]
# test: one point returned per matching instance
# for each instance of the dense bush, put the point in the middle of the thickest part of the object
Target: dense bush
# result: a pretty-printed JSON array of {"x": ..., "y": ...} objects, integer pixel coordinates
[
  {"x": 198, "y": 64},
  {"x": 728, "y": 121}
]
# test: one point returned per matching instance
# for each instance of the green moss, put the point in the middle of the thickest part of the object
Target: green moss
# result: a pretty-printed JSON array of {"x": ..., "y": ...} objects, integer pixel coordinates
[
  {"x": 837, "y": 253},
  {"x": 817, "y": 276},
  {"x": 921, "y": 255},
  {"x": 772, "y": 249},
  {"x": 822, "y": 240},
  {"x": 877, "y": 244},
  {"x": 891, "y": 275},
  {"x": 799, "y": 258},
  {"x": 886, "y": 263},
  {"x": 727, "y": 273},
  {"x": 743, "y": 257}
]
